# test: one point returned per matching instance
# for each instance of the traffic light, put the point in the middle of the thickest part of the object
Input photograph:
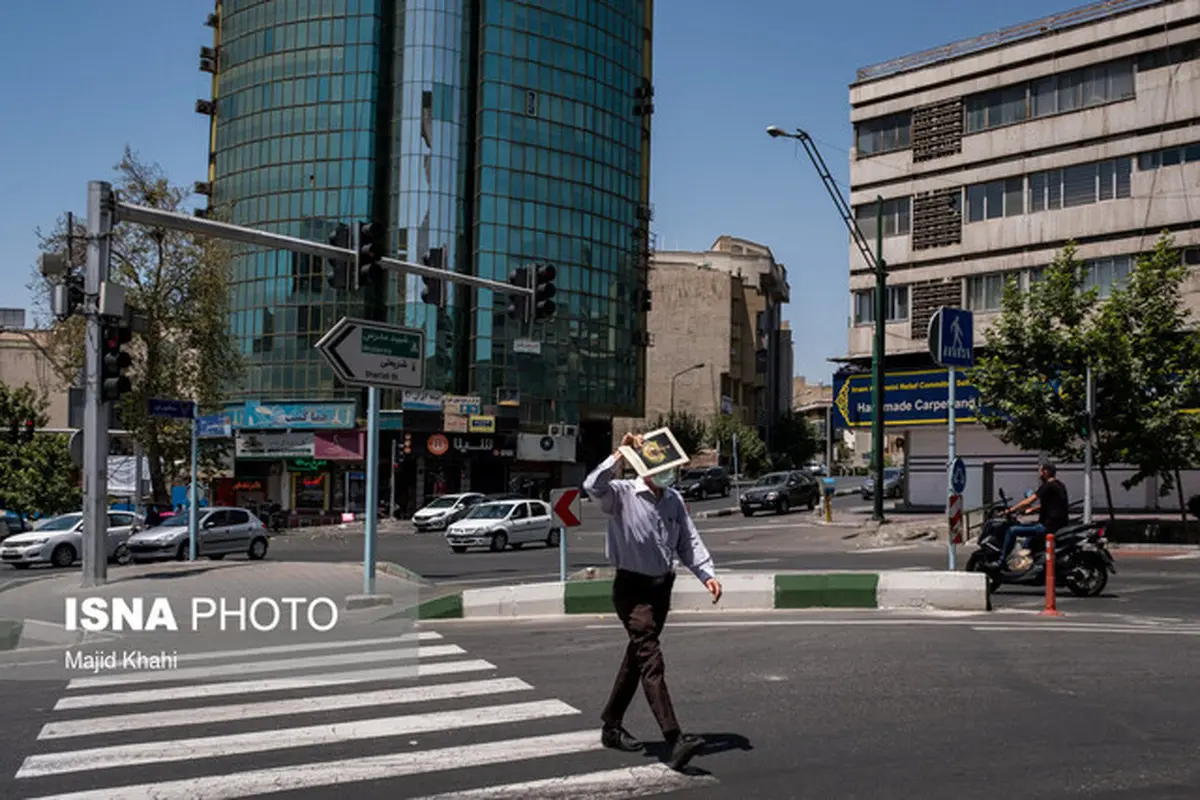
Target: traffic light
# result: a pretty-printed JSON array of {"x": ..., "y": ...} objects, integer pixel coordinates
[
  {"x": 335, "y": 268},
  {"x": 370, "y": 250},
  {"x": 113, "y": 362},
  {"x": 518, "y": 303},
  {"x": 27, "y": 429},
  {"x": 543, "y": 304},
  {"x": 432, "y": 293}
]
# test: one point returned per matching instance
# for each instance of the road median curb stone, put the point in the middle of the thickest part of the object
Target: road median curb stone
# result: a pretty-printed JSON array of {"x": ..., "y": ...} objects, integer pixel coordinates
[{"x": 754, "y": 591}]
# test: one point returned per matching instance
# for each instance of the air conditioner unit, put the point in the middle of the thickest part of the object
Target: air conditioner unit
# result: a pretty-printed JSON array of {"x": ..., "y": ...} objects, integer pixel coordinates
[
  {"x": 570, "y": 431},
  {"x": 207, "y": 107},
  {"x": 556, "y": 430}
]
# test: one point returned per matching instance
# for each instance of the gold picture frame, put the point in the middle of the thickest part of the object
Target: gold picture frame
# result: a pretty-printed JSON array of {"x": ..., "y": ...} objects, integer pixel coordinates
[{"x": 660, "y": 451}]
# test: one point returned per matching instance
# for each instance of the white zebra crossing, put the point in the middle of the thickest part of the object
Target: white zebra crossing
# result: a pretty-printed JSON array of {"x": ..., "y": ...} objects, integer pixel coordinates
[{"x": 127, "y": 751}]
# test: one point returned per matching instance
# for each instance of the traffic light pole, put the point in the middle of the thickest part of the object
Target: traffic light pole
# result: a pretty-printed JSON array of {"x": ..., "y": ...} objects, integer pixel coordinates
[{"x": 95, "y": 410}]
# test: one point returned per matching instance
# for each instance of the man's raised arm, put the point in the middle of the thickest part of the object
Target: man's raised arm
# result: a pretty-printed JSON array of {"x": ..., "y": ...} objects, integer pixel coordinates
[{"x": 599, "y": 486}]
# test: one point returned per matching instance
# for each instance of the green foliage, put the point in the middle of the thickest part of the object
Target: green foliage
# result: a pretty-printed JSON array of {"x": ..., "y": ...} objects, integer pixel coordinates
[
  {"x": 689, "y": 430},
  {"x": 796, "y": 440},
  {"x": 39, "y": 475},
  {"x": 752, "y": 453},
  {"x": 181, "y": 283},
  {"x": 1032, "y": 375}
]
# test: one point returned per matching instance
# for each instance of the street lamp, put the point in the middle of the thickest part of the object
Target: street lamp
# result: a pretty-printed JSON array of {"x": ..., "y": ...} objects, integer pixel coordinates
[
  {"x": 879, "y": 266},
  {"x": 674, "y": 377}
]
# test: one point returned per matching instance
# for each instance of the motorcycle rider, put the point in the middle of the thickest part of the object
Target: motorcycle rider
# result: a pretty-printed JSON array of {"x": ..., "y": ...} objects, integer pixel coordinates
[{"x": 1052, "y": 512}]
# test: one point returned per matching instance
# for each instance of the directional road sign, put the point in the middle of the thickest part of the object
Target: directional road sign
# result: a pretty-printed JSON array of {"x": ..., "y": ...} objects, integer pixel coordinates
[
  {"x": 952, "y": 337},
  {"x": 171, "y": 409},
  {"x": 958, "y": 476},
  {"x": 366, "y": 353},
  {"x": 567, "y": 507}
]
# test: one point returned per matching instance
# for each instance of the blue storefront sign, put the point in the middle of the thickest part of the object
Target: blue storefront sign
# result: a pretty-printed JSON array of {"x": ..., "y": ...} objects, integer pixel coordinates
[
  {"x": 910, "y": 397},
  {"x": 293, "y": 416}
]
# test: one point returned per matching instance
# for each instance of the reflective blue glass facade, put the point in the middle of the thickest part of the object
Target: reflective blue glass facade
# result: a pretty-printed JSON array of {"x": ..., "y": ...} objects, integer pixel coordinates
[{"x": 506, "y": 132}]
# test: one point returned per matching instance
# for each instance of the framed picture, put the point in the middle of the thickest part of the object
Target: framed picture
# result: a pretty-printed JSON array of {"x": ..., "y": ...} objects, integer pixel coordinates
[{"x": 659, "y": 452}]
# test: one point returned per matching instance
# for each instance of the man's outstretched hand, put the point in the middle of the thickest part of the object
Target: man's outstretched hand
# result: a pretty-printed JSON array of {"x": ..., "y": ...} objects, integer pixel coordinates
[{"x": 714, "y": 587}]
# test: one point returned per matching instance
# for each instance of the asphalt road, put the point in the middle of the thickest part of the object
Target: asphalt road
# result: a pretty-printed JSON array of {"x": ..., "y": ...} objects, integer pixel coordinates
[{"x": 816, "y": 705}]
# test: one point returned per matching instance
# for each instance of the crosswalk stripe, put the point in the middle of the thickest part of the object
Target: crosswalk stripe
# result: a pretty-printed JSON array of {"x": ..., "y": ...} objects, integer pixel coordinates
[
  {"x": 161, "y": 751},
  {"x": 216, "y": 670},
  {"x": 614, "y": 783},
  {"x": 279, "y": 708},
  {"x": 305, "y": 647},
  {"x": 350, "y": 770},
  {"x": 260, "y": 686}
]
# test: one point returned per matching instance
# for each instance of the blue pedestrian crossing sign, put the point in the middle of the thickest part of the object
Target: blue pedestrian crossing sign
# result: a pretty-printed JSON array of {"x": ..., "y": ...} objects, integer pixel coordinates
[
  {"x": 958, "y": 476},
  {"x": 952, "y": 337}
]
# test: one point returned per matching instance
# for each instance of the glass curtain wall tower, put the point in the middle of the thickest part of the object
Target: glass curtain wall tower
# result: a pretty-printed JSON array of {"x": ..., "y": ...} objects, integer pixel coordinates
[{"x": 507, "y": 133}]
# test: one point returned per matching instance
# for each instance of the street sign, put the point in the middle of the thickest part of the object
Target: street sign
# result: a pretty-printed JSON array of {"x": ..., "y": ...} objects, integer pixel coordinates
[
  {"x": 214, "y": 426},
  {"x": 567, "y": 507},
  {"x": 952, "y": 337},
  {"x": 171, "y": 409},
  {"x": 954, "y": 511},
  {"x": 364, "y": 353},
  {"x": 530, "y": 346},
  {"x": 958, "y": 476}
]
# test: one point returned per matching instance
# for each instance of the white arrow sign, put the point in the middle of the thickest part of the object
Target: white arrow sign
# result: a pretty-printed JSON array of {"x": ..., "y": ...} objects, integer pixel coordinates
[{"x": 364, "y": 353}]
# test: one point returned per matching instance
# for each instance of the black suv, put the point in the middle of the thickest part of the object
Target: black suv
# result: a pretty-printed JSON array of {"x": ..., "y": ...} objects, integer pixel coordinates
[
  {"x": 780, "y": 492},
  {"x": 701, "y": 483}
]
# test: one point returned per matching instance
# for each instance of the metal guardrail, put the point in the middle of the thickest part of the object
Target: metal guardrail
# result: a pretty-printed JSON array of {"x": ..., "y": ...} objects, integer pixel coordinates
[{"x": 1014, "y": 33}]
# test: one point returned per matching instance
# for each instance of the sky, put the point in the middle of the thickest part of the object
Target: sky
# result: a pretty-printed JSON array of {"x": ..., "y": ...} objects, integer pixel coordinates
[{"x": 87, "y": 79}]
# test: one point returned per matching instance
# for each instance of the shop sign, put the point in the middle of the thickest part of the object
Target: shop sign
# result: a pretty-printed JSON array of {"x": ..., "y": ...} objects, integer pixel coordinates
[
  {"x": 307, "y": 465},
  {"x": 421, "y": 400},
  {"x": 274, "y": 445},
  {"x": 293, "y": 416},
  {"x": 479, "y": 424},
  {"x": 454, "y": 423},
  {"x": 248, "y": 486},
  {"x": 464, "y": 405},
  {"x": 340, "y": 446}
]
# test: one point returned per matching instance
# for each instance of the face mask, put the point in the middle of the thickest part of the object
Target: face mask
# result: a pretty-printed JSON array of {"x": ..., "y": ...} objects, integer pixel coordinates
[{"x": 664, "y": 480}]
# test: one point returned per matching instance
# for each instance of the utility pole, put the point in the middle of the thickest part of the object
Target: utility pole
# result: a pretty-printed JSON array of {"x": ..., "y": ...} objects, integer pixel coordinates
[
  {"x": 1087, "y": 451},
  {"x": 95, "y": 409}
]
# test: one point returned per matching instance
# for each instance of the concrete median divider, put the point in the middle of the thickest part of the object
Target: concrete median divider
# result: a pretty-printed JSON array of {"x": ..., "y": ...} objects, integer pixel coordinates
[{"x": 744, "y": 591}]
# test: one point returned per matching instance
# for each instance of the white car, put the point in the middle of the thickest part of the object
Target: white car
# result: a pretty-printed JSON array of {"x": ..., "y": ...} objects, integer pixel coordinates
[
  {"x": 506, "y": 522},
  {"x": 59, "y": 540},
  {"x": 444, "y": 510}
]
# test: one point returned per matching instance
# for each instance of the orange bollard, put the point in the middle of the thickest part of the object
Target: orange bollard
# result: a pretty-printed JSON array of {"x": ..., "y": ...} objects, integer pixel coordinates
[{"x": 1051, "y": 609}]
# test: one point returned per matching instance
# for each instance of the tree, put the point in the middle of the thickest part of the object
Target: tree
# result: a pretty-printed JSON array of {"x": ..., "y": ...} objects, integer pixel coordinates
[
  {"x": 752, "y": 453},
  {"x": 689, "y": 430},
  {"x": 39, "y": 475},
  {"x": 1147, "y": 324},
  {"x": 181, "y": 283},
  {"x": 796, "y": 439}
]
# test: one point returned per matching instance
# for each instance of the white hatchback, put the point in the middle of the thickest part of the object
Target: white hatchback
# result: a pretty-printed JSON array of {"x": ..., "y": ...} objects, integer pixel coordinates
[{"x": 502, "y": 523}]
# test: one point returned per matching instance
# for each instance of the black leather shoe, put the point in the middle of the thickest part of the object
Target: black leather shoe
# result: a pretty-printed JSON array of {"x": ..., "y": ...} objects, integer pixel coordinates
[
  {"x": 686, "y": 746},
  {"x": 617, "y": 738}
]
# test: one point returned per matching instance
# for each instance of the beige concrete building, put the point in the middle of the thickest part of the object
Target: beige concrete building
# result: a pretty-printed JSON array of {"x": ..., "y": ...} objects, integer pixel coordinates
[
  {"x": 718, "y": 341},
  {"x": 24, "y": 361},
  {"x": 993, "y": 153}
]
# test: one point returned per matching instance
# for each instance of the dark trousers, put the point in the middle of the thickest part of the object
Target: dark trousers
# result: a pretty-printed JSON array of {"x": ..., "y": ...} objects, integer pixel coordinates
[{"x": 642, "y": 603}]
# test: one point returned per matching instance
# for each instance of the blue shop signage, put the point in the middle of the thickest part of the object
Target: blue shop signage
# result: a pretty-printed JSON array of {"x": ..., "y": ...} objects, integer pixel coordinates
[
  {"x": 916, "y": 397},
  {"x": 293, "y": 416}
]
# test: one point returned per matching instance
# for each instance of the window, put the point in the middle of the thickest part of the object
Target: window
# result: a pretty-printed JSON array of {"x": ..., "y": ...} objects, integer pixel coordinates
[
  {"x": 1054, "y": 94},
  {"x": 896, "y": 218},
  {"x": 883, "y": 135},
  {"x": 1079, "y": 185},
  {"x": 1170, "y": 157},
  {"x": 1003, "y": 198},
  {"x": 986, "y": 292},
  {"x": 1001, "y": 107},
  {"x": 1190, "y": 257},
  {"x": 897, "y": 305},
  {"x": 1106, "y": 273}
]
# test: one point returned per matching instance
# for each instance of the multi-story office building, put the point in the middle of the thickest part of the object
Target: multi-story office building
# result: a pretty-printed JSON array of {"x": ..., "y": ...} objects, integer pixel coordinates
[
  {"x": 990, "y": 155},
  {"x": 719, "y": 343},
  {"x": 503, "y": 133}
]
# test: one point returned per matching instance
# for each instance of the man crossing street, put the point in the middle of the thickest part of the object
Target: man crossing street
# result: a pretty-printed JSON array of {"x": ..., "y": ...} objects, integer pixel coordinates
[{"x": 648, "y": 528}]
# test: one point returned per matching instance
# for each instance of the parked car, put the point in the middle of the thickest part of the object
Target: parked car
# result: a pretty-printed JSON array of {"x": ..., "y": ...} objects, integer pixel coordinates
[
  {"x": 701, "y": 483},
  {"x": 59, "y": 540},
  {"x": 220, "y": 531},
  {"x": 437, "y": 515},
  {"x": 11, "y": 523},
  {"x": 780, "y": 492},
  {"x": 893, "y": 484},
  {"x": 816, "y": 468},
  {"x": 503, "y": 523}
]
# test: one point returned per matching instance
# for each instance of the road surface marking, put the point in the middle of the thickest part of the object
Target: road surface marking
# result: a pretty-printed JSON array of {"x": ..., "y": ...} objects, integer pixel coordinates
[
  {"x": 163, "y": 751},
  {"x": 1091, "y": 629},
  {"x": 215, "y": 670},
  {"x": 308, "y": 647},
  {"x": 627, "y": 782},
  {"x": 259, "y": 686},
  {"x": 1184, "y": 557},
  {"x": 743, "y": 562},
  {"x": 889, "y": 549},
  {"x": 280, "y": 708},
  {"x": 295, "y": 777}
]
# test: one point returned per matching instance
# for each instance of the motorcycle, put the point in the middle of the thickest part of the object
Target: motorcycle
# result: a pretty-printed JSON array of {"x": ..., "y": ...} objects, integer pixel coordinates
[{"x": 1081, "y": 558}]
